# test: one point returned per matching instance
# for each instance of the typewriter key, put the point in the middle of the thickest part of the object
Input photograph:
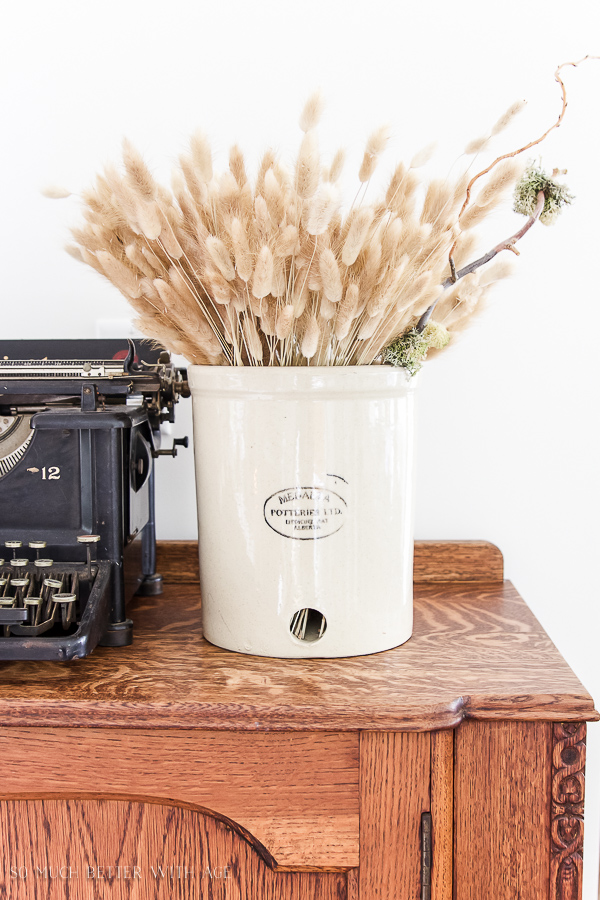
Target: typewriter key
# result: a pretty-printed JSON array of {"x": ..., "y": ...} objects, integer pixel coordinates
[
  {"x": 88, "y": 540},
  {"x": 13, "y": 545},
  {"x": 52, "y": 585},
  {"x": 43, "y": 563},
  {"x": 19, "y": 563},
  {"x": 34, "y": 606},
  {"x": 19, "y": 584},
  {"x": 67, "y": 607},
  {"x": 37, "y": 546}
]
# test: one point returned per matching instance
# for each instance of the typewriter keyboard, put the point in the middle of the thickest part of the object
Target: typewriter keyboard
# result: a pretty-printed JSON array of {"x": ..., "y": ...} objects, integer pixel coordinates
[{"x": 39, "y": 596}]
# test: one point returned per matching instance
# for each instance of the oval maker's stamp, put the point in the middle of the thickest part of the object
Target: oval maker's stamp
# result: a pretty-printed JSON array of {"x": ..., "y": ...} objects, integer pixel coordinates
[{"x": 305, "y": 513}]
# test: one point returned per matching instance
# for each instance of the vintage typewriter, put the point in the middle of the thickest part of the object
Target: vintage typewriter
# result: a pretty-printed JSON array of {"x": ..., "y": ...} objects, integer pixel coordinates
[{"x": 79, "y": 432}]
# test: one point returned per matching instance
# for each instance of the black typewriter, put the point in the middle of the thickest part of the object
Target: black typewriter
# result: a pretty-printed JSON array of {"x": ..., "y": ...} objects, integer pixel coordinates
[{"x": 79, "y": 432}]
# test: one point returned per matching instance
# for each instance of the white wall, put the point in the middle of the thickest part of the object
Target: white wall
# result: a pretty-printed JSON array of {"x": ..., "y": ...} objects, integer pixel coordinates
[{"x": 509, "y": 438}]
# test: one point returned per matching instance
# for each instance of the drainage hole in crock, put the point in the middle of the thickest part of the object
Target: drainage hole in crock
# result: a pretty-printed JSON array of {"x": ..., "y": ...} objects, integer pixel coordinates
[{"x": 308, "y": 625}]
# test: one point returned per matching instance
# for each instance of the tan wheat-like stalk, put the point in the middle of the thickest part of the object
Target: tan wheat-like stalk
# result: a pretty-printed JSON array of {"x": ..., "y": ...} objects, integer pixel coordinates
[{"x": 230, "y": 271}]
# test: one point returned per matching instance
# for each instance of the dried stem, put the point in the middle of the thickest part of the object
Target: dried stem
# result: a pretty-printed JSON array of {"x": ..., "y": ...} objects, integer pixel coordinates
[{"x": 508, "y": 244}]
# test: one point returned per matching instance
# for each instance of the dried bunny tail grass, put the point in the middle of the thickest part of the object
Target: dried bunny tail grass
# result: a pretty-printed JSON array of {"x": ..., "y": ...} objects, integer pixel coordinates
[
  {"x": 310, "y": 338},
  {"x": 476, "y": 145},
  {"x": 55, "y": 192},
  {"x": 337, "y": 164},
  {"x": 327, "y": 309},
  {"x": 375, "y": 146},
  {"x": 197, "y": 188},
  {"x": 284, "y": 322},
  {"x": 422, "y": 157},
  {"x": 263, "y": 274},
  {"x": 504, "y": 121},
  {"x": 286, "y": 243},
  {"x": 464, "y": 249},
  {"x": 357, "y": 234},
  {"x": 465, "y": 314},
  {"x": 184, "y": 286},
  {"x": 322, "y": 208},
  {"x": 149, "y": 219},
  {"x": 473, "y": 215},
  {"x": 312, "y": 112},
  {"x": 346, "y": 311},
  {"x": 139, "y": 175},
  {"x": 391, "y": 244},
  {"x": 220, "y": 256},
  {"x": 152, "y": 259},
  {"x": 330, "y": 276},
  {"x": 279, "y": 285},
  {"x": 274, "y": 196},
  {"x": 400, "y": 195},
  {"x": 120, "y": 274},
  {"x": 300, "y": 295},
  {"x": 263, "y": 218},
  {"x": 307, "y": 166},
  {"x": 465, "y": 297},
  {"x": 499, "y": 270},
  {"x": 241, "y": 250},
  {"x": 252, "y": 339},
  {"x": 267, "y": 162},
  {"x": 503, "y": 176},
  {"x": 237, "y": 166},
  {"x": 201, "y": 157},
  {"x": 137, "y": 259},
  {"x": 168, "y": 239},
  {"x": 438, "y": 200}
]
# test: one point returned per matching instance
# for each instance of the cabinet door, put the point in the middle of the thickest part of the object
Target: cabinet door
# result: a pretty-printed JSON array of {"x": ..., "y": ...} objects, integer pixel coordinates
[
  {"x": 120, "y": 849},
  {"x": 404, "y": 776},
  {"x": 519, "y": 792},
  {"x": 107, "y": 813}
]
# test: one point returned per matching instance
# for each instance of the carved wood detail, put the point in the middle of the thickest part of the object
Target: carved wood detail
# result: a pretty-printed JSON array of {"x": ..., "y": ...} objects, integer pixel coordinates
[{"x": 568, "y": 793}]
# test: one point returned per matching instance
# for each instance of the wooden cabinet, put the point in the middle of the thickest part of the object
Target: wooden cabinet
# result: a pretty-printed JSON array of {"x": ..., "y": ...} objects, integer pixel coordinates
[{"x": 451, "y": 767}]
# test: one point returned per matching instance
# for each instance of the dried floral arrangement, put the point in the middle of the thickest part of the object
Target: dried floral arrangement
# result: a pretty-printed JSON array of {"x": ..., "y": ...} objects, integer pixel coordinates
[{"x": 226, "y": 272}]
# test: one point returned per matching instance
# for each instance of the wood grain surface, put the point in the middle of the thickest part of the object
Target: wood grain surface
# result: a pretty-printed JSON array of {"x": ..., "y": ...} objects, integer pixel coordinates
[
  {"x": 394, "y": 779},
  {"x": 502, "y": 783},
  {"x": 177, "y": 561},
  {"x": 442, "y": 813},
  {"x": 476, "y": 652},
  {"x": 296, "y": 793},
  {"x": 128, "y": 850}
]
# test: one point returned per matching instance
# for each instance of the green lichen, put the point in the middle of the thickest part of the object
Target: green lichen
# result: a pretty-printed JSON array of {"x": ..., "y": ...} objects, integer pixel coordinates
[
  {"x": 410, "y": 349},
  {"x": 533, "y": 181}
]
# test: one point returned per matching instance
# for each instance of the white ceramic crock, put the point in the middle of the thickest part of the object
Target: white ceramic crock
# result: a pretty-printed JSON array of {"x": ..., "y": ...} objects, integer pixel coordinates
[{"x": 305, "y": 502}]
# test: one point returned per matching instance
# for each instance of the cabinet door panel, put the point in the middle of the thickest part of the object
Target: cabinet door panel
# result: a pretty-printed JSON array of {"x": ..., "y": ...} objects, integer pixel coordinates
[
  {"x": 296, "y": 792},
  {"x": 94, "y": 849},
  {"x": 502, "y": 810},
  {"x": 394, "y": 792}
]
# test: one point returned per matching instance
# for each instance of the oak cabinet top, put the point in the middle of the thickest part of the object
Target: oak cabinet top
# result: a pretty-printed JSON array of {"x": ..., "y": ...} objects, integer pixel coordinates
[{"x": 477, "y": 651}]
